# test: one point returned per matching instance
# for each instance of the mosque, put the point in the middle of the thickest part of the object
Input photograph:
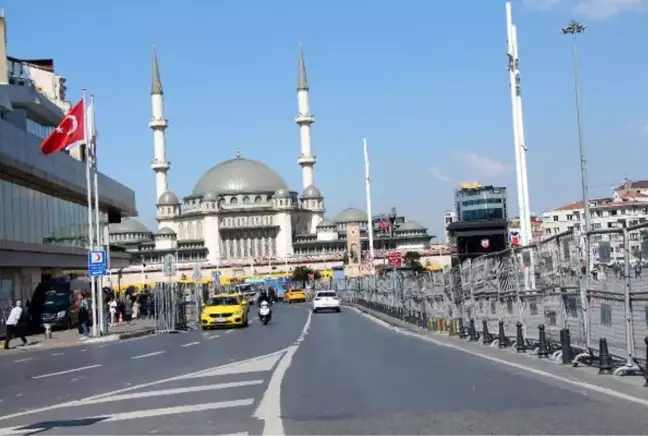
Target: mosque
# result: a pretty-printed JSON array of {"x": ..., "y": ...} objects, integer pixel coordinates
[{"x": 242, "y": 213}]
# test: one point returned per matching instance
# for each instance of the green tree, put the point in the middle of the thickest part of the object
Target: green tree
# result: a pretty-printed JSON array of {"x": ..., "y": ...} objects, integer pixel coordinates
[
  {"x": 413, "y": 260},
  {"x": 302, "y": 274}
]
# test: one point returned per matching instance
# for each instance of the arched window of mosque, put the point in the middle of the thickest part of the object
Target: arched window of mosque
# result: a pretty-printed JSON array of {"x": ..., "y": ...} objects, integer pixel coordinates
[
  {"x": 234, "y": 200},
  {"x": 246, "y": 200},
  {"x": 258, "y": 200}
]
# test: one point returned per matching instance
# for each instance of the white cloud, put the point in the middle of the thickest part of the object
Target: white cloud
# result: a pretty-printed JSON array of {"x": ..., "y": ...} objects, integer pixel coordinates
[
  {"x": 593, "y": 9},
  {"x": 602, "y": 9},
  {"x": 484, "y": 166},
  {"x": 437, "y": 174},
  {"x": 541, "y": 4}
]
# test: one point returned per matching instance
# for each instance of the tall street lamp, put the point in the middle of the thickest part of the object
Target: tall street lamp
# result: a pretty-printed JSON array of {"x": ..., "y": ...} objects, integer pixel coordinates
[{"x": 573, "y": 29}]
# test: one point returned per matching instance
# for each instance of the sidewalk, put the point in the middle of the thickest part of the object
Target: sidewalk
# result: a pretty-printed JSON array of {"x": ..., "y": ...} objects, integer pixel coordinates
[{"x": 70, "y": 338}]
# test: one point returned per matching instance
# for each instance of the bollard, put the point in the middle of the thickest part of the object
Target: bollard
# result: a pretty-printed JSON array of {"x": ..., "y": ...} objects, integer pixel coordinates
[
  {"x": 472, "y": 331},
  {"x": 462, "y": 333},
  {"x": 502, "y": 339},
  {"x": 565, "y": 346},
  {"x": 519, "y": 345},
  {"x": 485, "y": 334},
  {"x": 646, "y": 369},
  {"x": 48, "y": 331},
  {"x": 543, "y": 350},
  {"x": 605, "y": 361}
]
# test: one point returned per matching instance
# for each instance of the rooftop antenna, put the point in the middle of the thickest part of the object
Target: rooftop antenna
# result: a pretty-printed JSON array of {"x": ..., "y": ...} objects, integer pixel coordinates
[{"x": 238, "y": 153}]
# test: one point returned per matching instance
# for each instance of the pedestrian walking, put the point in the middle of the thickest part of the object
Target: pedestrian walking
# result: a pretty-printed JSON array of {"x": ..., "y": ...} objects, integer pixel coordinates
[
  {"x": 84, "y": 317},
  {"x": 13, "y": 325},
  {"x": 113, "y": 310}
]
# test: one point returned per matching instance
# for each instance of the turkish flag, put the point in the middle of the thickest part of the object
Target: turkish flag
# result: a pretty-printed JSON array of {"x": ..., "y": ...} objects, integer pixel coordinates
[{"x": 69, "y": 133}]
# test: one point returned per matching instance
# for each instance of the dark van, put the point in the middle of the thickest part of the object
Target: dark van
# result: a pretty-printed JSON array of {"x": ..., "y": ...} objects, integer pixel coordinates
[{"x": 60, "y": 299}]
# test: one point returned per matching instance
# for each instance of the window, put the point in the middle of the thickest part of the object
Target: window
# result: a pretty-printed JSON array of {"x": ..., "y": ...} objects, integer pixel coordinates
[
  {"x": 555, "y": 217},
  {"x": 569, "y": 217},
  {"x": 33, "y": 217}
]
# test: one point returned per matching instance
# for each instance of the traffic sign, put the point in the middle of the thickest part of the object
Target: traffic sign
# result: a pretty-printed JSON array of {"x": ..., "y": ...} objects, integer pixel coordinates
[
  {"x": 169, "y": 266},
  {"x": 197, "y": 275},
  {"x": 97, "y": 263}
]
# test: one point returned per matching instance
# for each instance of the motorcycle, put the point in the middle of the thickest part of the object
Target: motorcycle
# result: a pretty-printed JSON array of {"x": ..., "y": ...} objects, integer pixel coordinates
[{"x": 265, "y": 314}]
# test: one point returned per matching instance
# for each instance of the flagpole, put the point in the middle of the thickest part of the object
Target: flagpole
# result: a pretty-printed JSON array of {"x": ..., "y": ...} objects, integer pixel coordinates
[
  {"x": 100, "y": 242},
  {"x": 368, "y": 194},
  {"x": 93, "y": 288}
]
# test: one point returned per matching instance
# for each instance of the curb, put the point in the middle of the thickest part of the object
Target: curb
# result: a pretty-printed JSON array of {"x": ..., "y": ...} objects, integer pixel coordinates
[{"x": 136, "y": 334}]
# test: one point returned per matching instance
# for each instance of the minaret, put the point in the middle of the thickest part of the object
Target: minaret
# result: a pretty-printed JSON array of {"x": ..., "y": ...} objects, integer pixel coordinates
[
  {"x": 158, "y": 124},
  {"x": 304, "y": 120}
]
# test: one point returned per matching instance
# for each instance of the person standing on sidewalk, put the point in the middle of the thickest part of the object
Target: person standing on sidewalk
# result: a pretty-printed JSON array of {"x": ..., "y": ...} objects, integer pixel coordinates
[
  {"x": 84, "y": 317},
  {"x": 13, "y": 327}
]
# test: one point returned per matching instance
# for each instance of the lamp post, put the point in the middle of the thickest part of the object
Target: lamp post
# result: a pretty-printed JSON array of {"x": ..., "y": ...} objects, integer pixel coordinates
[{"x": 573, "y": 29}]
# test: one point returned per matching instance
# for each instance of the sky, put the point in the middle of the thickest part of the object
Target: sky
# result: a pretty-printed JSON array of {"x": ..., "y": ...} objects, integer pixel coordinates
[{"x": 426, "y": 82}]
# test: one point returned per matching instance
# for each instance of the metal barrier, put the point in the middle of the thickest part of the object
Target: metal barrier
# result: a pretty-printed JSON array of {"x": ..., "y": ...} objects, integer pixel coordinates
[
  {"x": 523, "y": 297},
  {"x": 177, "y": 306}
]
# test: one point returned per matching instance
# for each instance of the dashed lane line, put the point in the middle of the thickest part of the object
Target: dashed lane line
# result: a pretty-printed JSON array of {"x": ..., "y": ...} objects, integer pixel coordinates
[
  {"x": 141, "y": 356},
  {"x": 190, "y": 344},
  {"x": 52, "y": 374}
]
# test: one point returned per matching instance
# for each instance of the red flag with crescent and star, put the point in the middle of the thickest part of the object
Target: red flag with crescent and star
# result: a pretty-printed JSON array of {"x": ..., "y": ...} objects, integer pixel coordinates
[{"x": 69, "y": 133}]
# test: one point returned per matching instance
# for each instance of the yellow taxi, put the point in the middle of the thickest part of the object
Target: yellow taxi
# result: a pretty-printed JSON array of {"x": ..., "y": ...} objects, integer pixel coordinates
[
  {"x": 224, "y": 311},
  {"x": 295, "y": 296}
]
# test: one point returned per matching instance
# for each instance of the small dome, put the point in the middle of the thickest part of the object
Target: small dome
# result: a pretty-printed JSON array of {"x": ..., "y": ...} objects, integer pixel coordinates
[
  {"x": 409, "y": 226},
  {"x": 282, "y": 193},
  {"x": 168, "y": 199},
  {"x": 311, "y": 192},
  {"x": 210, "y": 196},
  {"x": 326, "y": 223},
  {"x": 166, "y": 231},
  {"x": 351, "y": 215},
  {"x": 128, "y": 225}
]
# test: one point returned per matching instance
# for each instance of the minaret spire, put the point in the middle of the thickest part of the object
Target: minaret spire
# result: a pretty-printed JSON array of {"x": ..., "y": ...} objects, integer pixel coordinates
[
  {"x": 158, "y": 125},
  {"x": 304, "y": 120},
  {"x": 302, "y": 79},
  {"x": 156, "y": 83}
]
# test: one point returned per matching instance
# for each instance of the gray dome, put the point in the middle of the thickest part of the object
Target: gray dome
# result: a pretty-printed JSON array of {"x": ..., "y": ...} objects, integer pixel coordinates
[
  {"x": 210, "y": 196},
  {"x": 326, "y": 223},
  {"x": 128, "y": 225},
  {"x": 409, "y": 226},
  {"x": 166, "y": 231},
  {"x": 311, "y": 192},
  {"x": 281, "y": 193},
  {"x": 168, "y": 199},
  {"x": 351, "y": 215},
  {"x": 239, "y": 175}
]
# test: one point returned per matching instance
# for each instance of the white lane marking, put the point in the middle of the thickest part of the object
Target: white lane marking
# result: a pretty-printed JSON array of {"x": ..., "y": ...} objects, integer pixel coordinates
[
  {"x": 57, "y": 354},
  {"x": 23, "y": 360},
  {"x": 229, "y": 331},
  {"x": 175, "y": 391},
  {"x": 85, "y": 349},
  {"x": 132, "y": 388},
  {"x": 269, "y": 409},
  {"x": 149, "y": 413},
  {"x": 212, "y": 337},
  {"x": 580, "y": 384},
  {"x": 243, "y": 433},
  {"x": 259, "y": 365},
  {"x": 83, "y": 368},
  {"x": 141, "y": 356},
  {"x": 190, "y": 344}
]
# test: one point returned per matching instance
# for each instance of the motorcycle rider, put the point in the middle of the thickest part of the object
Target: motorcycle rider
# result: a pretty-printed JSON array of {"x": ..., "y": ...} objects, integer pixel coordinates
[
  {"x": 263, "y": 297},
  {"x": 264, "y": 307}
]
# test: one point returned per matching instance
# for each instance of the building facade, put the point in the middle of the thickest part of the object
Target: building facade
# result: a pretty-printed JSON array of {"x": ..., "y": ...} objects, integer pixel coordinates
[
  {"x": 627, "y": 206},
  {"x": 241, "y": 212},
  {"x": 43, "y": 218}
]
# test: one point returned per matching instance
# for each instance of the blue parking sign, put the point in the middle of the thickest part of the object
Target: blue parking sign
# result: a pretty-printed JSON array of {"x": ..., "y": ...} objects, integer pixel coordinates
[{"x": 97, "y": 263}]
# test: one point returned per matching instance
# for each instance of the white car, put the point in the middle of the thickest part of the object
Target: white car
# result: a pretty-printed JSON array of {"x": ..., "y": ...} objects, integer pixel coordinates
[{"x": 326, "y": 300}]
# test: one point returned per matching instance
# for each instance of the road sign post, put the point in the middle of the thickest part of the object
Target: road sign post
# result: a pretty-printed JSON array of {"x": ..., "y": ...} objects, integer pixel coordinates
[
  {"x": 97, "y": 263},
  {"x": 169, "y": 266},
  {"x": 197, "y": 274}
]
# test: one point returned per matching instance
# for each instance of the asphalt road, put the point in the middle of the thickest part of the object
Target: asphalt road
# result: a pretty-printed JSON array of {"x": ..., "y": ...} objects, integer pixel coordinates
[{"x": 301, "y": 374}]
